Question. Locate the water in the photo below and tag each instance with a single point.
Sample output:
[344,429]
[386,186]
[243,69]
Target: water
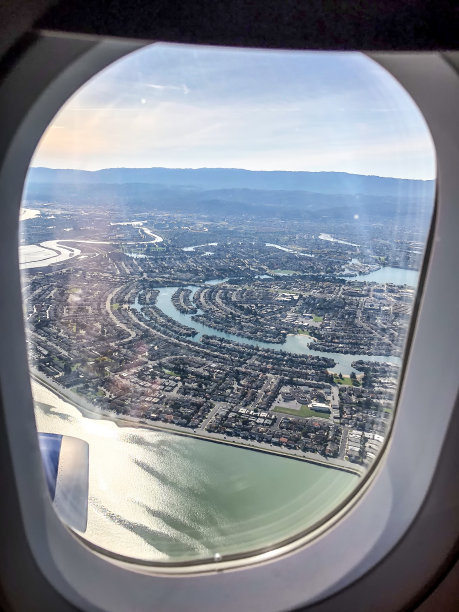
[396,276]
[137,255]
[282,248]
[159,497]
[44,254]
[198,246]
[297,344]
[332,239]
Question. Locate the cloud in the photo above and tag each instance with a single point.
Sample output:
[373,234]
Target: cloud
[183,88]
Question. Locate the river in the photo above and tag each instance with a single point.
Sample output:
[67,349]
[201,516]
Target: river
[297,344]
[287,250]
[332,239]
[197,246]
[159,497]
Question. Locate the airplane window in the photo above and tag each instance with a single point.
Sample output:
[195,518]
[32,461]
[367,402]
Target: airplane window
[220,252]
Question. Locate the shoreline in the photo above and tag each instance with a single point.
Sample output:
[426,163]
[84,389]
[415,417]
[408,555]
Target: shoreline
[182,431]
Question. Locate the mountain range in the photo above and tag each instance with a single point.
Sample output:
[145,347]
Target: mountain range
[235,192]
[234,178]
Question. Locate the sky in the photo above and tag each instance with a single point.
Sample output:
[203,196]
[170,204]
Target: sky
[184,106]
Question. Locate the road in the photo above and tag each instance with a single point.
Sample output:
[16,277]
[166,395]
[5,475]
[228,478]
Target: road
[108,308]
[210,416]
[343,443]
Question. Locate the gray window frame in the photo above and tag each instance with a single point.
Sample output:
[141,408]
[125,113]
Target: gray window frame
[354,549]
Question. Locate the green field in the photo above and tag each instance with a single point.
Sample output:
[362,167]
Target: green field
[115,306]
[345,380]
[304,411]
[317,319]
[302,332]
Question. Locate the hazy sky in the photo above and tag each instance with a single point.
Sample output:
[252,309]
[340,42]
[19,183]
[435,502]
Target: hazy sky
[191,107]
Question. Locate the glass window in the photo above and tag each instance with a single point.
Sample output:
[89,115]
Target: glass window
[220,251]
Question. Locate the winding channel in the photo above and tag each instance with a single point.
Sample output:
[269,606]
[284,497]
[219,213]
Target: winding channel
[296,344]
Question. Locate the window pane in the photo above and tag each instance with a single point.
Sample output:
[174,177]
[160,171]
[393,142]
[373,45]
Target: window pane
[220,251]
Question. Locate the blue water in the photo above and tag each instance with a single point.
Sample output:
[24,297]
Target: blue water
[396,276]
[296,344]
[159,497]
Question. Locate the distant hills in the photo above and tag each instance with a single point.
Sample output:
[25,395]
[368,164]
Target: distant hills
[233,178]
[228,191]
